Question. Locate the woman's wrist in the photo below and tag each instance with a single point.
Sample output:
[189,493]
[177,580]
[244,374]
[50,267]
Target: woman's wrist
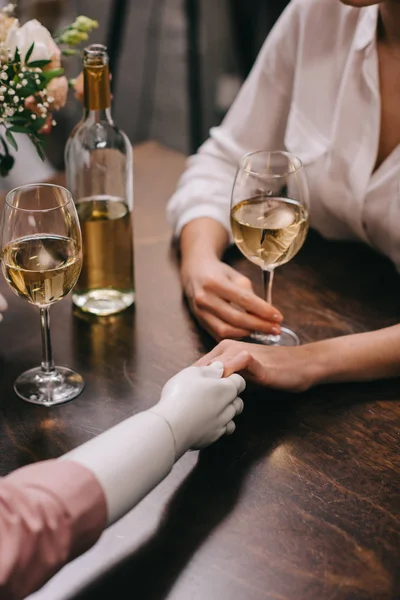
[204,239]
[319,366]
[357,357]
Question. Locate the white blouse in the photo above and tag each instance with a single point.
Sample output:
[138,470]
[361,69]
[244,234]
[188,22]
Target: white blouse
[313,91]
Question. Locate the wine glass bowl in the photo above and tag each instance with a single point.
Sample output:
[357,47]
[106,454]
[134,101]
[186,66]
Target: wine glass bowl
[269,218]
[41,259]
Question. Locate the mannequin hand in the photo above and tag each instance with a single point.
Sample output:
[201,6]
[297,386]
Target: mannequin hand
[3,306]
[199,405]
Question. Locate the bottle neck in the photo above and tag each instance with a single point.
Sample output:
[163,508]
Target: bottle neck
[98,116]
[97,97]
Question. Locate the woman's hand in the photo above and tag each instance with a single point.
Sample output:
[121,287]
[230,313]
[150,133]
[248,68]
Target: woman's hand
[200,405]
[3,306]
[224,302]
[289,369]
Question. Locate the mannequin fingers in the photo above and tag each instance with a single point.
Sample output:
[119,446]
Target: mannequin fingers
[214,371]
[230,428]
[228,414]
[238,381]
[238,405]
[3,306]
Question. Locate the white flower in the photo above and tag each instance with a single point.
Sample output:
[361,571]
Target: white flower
[21,109]
[16,99]
[33,116]
[10,7]
[9,111]
[1,98]
[24,82]
[23,37]
[3,89]
[4,76]
[18,86]
[11,92]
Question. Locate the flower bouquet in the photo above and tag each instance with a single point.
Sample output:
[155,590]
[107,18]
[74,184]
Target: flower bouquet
[32,81]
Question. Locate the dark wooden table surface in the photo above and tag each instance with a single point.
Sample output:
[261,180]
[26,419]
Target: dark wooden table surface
[301,503]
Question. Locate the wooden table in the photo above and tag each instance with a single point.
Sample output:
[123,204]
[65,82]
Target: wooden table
[301,503]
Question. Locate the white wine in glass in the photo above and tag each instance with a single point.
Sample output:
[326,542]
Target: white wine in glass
[269,219]
[41,259]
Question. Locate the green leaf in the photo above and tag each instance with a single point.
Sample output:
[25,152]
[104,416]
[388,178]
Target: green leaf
[6,164]
[17,120]
[39,148]
[18,129]
[52,73]
[39,63]
[11,139]
[70,52]
[17,56]
[29,53]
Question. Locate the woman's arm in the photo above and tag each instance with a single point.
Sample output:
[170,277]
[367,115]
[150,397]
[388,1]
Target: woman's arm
[52,511]
[199,209]
[358,357]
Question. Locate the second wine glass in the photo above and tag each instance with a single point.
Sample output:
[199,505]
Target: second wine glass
[269,219]
[41,258]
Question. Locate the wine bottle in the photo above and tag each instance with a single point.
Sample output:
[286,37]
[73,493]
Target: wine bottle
[99,168]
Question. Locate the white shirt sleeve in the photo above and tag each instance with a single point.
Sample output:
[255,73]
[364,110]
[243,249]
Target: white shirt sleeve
[256,121]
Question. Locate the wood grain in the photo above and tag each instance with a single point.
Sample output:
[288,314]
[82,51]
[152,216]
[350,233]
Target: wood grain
[303,501]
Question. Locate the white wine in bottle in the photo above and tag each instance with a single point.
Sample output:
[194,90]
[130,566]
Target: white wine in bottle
[99,167]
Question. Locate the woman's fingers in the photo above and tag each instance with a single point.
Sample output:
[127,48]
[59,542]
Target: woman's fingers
[234,363]
[226,348]
[246,299]
[247,364]
[235,317]
[217,328]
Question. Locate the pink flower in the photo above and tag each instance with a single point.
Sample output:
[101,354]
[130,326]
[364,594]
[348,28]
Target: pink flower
[78,87]
[58,90]
[55,56]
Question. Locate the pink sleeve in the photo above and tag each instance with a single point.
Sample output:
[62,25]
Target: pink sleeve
[49,513]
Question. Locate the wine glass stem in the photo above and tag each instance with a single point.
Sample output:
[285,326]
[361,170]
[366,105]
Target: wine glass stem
[268,279]
[47,356]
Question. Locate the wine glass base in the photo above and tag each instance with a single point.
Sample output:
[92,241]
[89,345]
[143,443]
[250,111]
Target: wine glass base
[287,338]
[49,389]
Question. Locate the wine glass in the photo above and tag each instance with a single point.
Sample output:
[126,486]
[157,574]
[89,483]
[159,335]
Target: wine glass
[269,219]
[41,258]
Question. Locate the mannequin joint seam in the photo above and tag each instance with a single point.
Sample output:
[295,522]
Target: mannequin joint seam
[169,427]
